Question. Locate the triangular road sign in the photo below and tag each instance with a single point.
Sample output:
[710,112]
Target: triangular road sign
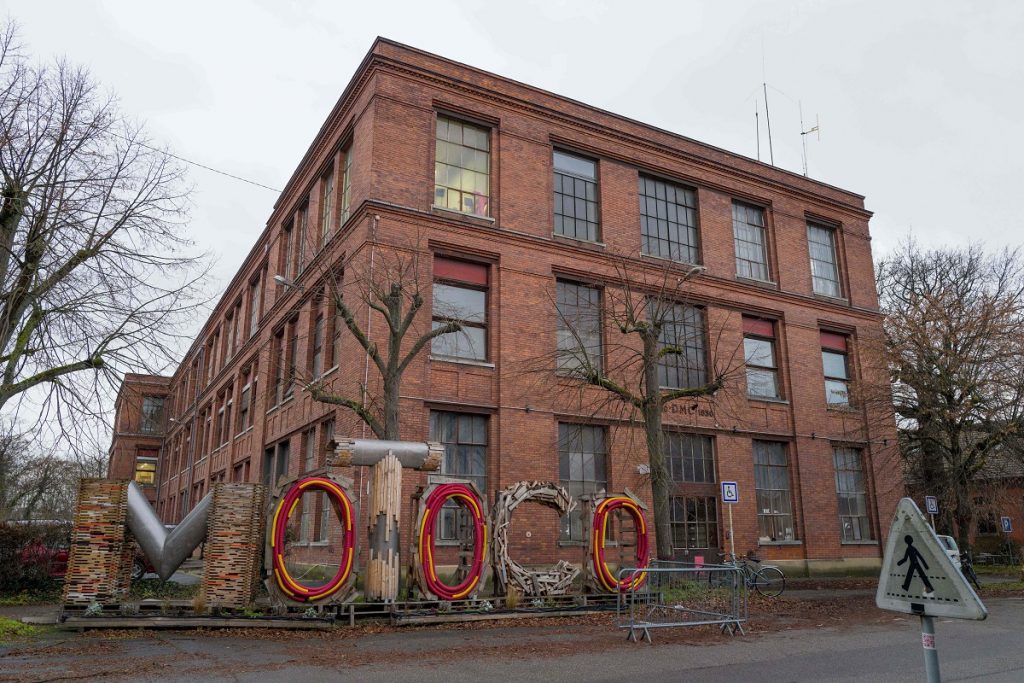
[917,575]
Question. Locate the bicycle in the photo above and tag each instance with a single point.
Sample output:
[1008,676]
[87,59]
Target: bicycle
[967,569]
[768,580]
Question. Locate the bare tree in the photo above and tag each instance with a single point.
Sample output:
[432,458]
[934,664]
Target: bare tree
[95,278]
[390,287]
[956,356]
[657,338]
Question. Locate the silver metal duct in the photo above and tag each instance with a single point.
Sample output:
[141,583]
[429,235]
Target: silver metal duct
[166,551]
[417,455]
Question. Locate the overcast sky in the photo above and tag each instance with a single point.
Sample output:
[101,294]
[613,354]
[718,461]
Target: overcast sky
[919,103]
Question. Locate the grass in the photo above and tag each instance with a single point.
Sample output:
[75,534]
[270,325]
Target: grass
[15,630]
[155,589]
[39,596]
[997,569]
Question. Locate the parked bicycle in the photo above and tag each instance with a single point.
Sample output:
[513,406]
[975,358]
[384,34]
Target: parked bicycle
[768,580]
[967,569]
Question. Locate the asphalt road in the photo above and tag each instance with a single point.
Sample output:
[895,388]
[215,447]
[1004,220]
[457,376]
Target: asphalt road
[890,651]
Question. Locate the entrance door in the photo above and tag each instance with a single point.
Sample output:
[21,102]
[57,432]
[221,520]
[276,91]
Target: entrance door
[695,528]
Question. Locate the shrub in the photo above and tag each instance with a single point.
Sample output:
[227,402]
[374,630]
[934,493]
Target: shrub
[32,555]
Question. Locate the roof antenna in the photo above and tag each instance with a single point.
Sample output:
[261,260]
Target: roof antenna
[804,133]
[767,114]
[757,128]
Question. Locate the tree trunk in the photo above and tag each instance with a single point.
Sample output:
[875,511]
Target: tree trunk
[392,391]
[963,514]
[660,480]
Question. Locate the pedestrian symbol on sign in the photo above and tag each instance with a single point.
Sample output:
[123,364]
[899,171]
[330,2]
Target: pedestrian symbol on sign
[917,565]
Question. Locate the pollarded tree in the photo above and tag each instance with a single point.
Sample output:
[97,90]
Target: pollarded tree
[94,278]
[954,350]
[390,289]
[656,352]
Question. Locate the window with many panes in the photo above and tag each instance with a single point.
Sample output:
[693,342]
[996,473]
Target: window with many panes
[279,367]
[836,366]
[751,236]
[244,416]
[324,528]
[759,356]
[774,502]
[318,347]
[293,350]
[346,185]
[326,206]
[578,326]
[288,253]
[300,239]
[854,519]
[254,305]
[464,437]
[821,242]
[462,166]
[145,466]
[690,457]
[152,414]
[582,470]
[683,359]
[668,220]
[460,295]
[576,202]
[694,523]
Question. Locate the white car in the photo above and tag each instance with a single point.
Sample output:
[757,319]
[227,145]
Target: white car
[950,546]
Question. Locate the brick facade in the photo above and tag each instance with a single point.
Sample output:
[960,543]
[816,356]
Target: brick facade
[139,430]
[383,128]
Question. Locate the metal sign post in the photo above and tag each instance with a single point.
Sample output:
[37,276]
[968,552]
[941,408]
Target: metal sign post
[731,496]
[919,578]
[931,655]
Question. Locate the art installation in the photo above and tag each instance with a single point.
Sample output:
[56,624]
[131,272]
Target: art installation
[509,574]
[598,537]
[231,519]
[166,550]
[432,500]
[338,492]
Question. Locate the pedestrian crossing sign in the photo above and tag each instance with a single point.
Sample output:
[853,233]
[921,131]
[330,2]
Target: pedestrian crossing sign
[918,577]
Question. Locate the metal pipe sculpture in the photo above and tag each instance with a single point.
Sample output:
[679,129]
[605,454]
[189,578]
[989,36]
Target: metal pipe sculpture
[416,455]
[425,566]
[166,550]
[278,528]
[599,536]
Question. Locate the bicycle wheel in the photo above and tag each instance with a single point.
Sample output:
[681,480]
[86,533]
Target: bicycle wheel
[769,582]
[721,579]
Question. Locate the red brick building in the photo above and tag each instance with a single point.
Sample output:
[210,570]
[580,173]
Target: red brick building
[512,203]
[139,430]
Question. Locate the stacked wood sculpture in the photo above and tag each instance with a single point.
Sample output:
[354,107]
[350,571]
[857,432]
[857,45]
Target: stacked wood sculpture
[234,545]
[101,554]
[382,565]
[509,574]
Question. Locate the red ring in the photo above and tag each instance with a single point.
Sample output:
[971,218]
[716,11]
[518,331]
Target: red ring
[600,522]
[279,526]
[468,498]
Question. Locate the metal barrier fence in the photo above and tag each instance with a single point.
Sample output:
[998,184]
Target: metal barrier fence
[681,594]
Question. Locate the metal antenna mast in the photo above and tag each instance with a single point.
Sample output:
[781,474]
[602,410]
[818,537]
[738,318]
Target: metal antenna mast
[767,114]
[757,128]
[804,133]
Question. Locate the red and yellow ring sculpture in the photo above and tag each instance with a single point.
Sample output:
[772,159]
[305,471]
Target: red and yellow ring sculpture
[432,507]
[283,513]
[600,532]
